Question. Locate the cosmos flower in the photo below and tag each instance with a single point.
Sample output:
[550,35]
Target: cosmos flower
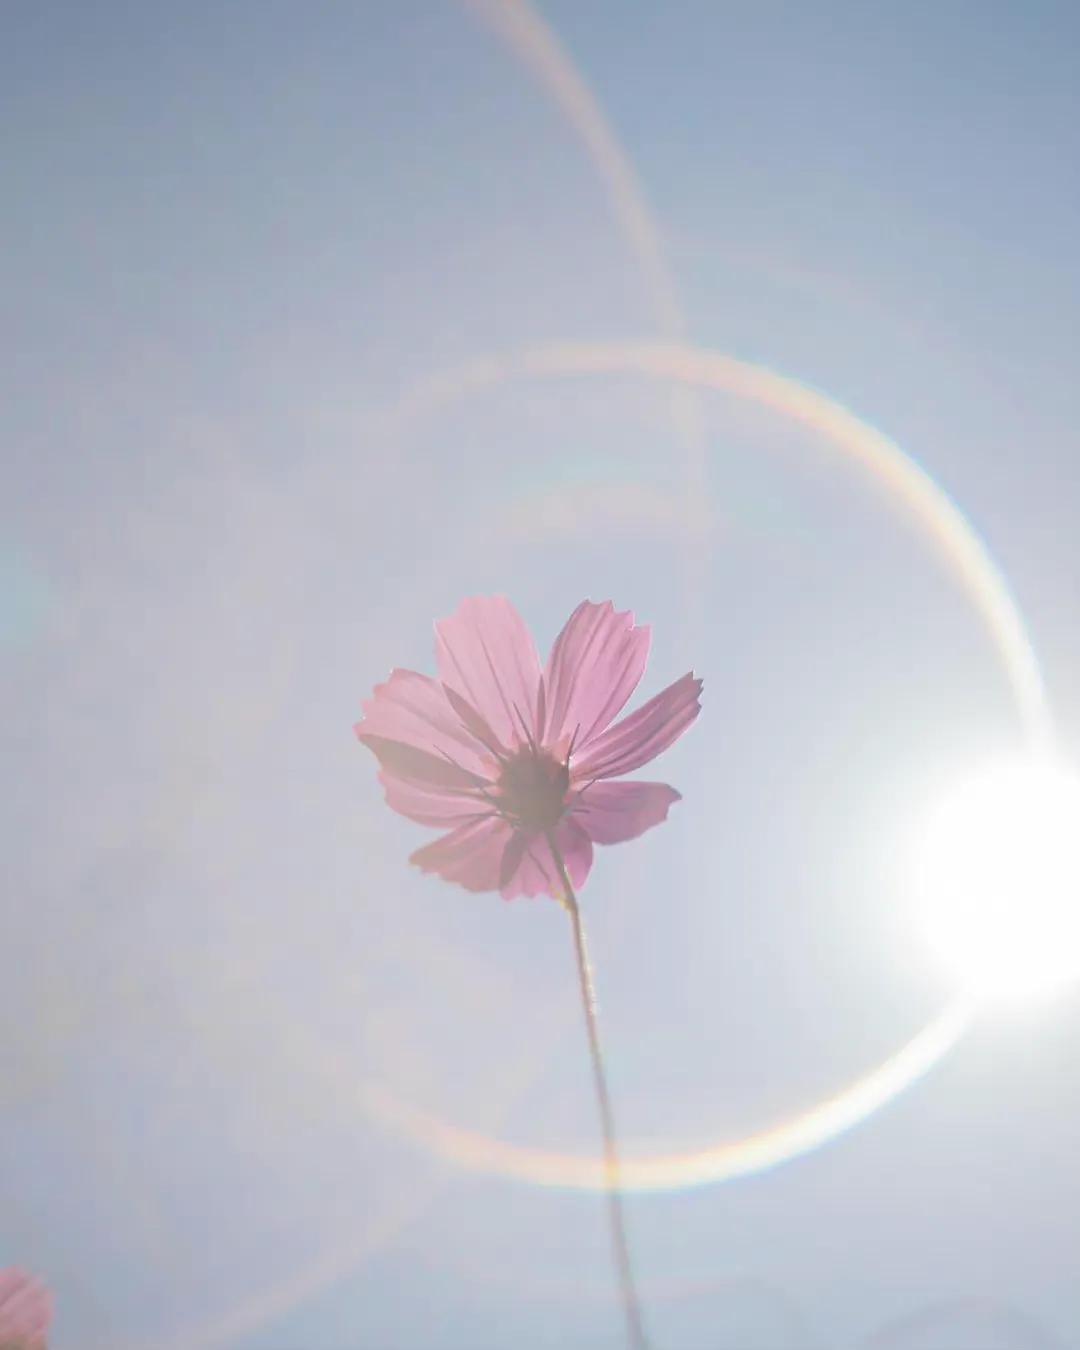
[25,1311]
[511,759]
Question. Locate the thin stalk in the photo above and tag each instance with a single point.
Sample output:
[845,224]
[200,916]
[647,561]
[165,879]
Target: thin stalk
[627,1288]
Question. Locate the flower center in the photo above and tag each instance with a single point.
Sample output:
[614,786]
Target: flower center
[532,787]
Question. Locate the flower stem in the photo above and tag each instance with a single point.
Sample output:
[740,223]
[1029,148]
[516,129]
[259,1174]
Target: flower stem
[631,1307]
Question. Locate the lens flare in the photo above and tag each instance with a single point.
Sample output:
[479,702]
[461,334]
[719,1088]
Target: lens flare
[519,24]
[943,525]
[683,1170]
[998,879]
[969,563]
[906,483]
[538,47]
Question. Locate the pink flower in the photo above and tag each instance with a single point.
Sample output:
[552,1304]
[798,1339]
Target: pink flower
[509,757]
[25,1311]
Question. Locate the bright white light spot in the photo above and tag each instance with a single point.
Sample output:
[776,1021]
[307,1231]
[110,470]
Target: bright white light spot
[999,879]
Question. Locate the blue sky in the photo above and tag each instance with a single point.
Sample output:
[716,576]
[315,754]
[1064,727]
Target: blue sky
[235,238]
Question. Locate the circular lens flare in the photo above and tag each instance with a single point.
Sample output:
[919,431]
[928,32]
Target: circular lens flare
[684,1169]
[945,528]
[999,879]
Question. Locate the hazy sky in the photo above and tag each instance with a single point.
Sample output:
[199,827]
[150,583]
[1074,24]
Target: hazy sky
[234,238]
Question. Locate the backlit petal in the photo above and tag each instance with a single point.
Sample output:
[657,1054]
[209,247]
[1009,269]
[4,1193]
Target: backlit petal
[611,813]
[25,1310]
[595,665]
[485,653]
[418,766]
[643,735]
[413,709]
[430,805]
[471,855]
[513,854]
[577,851]
[536,872]
[473,723]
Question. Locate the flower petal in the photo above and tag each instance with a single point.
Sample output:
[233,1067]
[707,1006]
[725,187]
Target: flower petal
[577,851]
[529,868]
[486,654]
[25,1310]
[471,855]
[644,734]
[512,858]
[474,723]
[417,766]
[595,665]
[536,872]
[430,805]
[611,813]
[414,710]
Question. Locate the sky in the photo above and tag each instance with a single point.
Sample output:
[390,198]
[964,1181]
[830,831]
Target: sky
[247,253]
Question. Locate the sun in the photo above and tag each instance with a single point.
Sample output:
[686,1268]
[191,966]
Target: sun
[998,879]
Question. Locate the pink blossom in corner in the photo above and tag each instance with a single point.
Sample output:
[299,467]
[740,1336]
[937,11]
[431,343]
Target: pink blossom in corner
[504,755]
[25,1311]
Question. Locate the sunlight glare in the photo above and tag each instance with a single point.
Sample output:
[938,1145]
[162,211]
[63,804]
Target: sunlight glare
[999,879]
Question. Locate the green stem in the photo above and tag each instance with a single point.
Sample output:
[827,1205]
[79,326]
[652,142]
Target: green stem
[621,1249]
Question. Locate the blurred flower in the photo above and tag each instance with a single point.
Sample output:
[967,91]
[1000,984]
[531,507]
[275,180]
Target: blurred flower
[25,1311]
[515,760]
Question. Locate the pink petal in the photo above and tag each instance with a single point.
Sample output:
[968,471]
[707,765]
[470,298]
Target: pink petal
[474,723]
[644,734]
[611,813]
[485,653]
[418,766]
[595,665]
[471,855]
[577,851]
[528,868]
[512,859]
[25,1310]
[413,710]
[536,872]
[12,1279]
[429,805]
